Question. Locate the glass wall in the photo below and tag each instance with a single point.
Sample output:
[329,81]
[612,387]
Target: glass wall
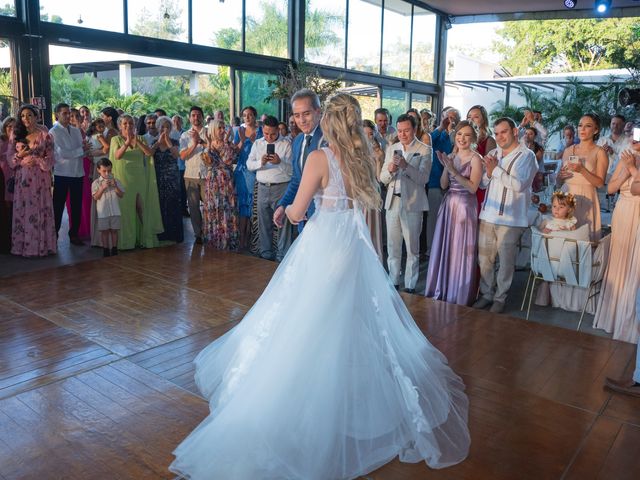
[267,27]
[420,101]
[324,32]
[424,35]
[8,8]
[7,101]
[217,24]
[396,101]
[396,38]
[166,19]
[88,14]
[254,89]
[365,23]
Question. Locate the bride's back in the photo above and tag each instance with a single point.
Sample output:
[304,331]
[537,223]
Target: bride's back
[335,195]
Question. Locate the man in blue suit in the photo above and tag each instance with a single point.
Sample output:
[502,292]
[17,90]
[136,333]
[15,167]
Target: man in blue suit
[305,105]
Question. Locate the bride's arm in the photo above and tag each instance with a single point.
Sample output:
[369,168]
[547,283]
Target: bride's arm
[314,176]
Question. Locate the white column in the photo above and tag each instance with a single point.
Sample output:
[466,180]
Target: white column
[125,79]
[193,83]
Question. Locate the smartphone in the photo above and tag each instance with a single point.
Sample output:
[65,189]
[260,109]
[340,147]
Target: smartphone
[636,134]
[271,148]
[574,159]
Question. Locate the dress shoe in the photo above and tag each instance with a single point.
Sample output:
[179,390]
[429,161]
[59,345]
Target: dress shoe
[481,303]
[114,251]
[199,240]
[497,307]
[76,241]
[106,252]
[410,290]
[626,387]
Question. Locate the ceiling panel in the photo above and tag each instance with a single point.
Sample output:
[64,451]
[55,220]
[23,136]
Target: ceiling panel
[487,7]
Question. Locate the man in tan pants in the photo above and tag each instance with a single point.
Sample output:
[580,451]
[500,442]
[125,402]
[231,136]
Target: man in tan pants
[509,172]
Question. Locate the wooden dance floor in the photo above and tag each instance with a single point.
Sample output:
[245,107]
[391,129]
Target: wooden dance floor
[96,380]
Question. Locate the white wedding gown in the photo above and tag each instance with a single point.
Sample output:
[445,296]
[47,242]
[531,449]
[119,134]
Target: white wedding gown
[327,376]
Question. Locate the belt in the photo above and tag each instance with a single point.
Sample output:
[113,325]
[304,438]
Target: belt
[271,184]
[397,194]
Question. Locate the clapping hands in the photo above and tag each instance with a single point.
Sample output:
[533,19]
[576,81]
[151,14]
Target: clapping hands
[447,162]
[489,162]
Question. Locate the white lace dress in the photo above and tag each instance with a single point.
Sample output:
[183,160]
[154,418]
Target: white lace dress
[327,376]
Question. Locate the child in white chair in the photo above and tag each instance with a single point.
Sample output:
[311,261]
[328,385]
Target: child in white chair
[562,219]
[563,205]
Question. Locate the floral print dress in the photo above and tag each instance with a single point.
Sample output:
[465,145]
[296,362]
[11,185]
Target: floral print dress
[220,226]
[33,232]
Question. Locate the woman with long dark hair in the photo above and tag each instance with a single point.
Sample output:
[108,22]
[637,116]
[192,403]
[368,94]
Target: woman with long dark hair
[30,155]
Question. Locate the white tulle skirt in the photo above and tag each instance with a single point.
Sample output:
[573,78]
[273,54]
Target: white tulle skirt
[327,376]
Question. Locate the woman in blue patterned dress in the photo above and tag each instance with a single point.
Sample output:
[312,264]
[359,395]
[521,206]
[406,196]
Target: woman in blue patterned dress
[244,180]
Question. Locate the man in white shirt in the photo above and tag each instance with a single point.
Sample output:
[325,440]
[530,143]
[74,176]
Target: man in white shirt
[533,119]
[69,149]
[509,172]
[192,148]
[152,132]
[270,158]
[384,132]
[405,171]
[616,142]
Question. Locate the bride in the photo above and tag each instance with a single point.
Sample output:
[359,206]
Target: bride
[327,376]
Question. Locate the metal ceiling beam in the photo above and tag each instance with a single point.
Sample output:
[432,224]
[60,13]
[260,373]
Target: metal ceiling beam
[547,15]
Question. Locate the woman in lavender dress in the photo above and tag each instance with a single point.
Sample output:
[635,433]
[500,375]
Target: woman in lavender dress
[452,273]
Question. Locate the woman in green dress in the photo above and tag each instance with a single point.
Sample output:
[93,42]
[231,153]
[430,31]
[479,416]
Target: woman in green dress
[140,208]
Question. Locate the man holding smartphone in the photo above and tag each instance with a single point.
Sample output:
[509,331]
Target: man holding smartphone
[270,158]
[406,171]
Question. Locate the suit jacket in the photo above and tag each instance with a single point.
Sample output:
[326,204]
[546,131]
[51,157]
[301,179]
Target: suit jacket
[413,178]
[294,183]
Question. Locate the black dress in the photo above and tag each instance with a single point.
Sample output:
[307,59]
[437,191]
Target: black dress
[168,178]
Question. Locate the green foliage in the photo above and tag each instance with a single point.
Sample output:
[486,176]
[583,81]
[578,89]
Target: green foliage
[9,9]
[534,46]
[268,35]
[300,76]
[567,106]
[152,22]
[170,94]
[5,84]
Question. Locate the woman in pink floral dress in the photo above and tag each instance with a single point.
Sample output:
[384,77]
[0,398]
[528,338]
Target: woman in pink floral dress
[220,225]
[30,155]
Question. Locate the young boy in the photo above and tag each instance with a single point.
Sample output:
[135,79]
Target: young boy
[106,191]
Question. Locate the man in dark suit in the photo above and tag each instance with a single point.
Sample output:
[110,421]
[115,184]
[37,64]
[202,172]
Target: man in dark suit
[305,105]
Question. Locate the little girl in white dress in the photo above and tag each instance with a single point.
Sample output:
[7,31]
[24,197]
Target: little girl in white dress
[563,205]
[562,219]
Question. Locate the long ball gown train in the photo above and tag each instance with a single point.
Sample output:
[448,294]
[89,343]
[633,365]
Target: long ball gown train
[327,376]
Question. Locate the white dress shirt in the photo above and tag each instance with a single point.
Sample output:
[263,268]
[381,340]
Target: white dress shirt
[509,188]
[193,162]
[618,147]
[68,151]
[270,173]
[108,205]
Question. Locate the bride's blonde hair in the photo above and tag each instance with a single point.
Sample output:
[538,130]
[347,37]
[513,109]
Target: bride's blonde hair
[342,129]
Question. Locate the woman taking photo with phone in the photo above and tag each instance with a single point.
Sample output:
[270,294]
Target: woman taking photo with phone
[584,168]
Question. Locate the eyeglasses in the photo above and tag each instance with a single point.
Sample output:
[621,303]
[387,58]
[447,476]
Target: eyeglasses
[151,123]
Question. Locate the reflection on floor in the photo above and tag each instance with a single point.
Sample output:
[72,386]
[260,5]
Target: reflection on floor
[96,379]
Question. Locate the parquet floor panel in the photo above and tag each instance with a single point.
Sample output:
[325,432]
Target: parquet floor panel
[96,374]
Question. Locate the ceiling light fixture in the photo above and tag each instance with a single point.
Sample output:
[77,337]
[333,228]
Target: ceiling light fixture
[570,3]
[80,21]
[602,6]
[166,14]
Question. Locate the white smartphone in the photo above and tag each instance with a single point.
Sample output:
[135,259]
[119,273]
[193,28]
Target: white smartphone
[636,134]
[574,159]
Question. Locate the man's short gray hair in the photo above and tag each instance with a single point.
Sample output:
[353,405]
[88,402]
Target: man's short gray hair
[307,93]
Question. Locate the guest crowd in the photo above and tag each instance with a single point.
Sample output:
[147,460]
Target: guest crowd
[458,191]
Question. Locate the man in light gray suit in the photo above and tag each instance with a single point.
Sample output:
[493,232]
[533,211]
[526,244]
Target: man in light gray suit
[405,171]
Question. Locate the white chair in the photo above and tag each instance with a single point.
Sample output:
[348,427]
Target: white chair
[567,258]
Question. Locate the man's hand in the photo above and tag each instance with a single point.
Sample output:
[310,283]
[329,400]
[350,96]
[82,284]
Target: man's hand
[399,161]
[275,159]
[265,159]
[393,168]
[490,162]
[278,217]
